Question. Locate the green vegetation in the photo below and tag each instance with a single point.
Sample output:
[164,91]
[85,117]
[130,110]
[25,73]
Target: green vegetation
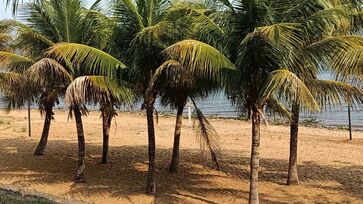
[262,53]
[8,196]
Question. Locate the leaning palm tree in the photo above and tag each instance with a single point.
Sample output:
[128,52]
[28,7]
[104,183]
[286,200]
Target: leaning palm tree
[185,76]
[103,91]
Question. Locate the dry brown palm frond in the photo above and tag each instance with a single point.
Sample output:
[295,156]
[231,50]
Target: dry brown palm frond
[97,89]
[208,137]
[47,71]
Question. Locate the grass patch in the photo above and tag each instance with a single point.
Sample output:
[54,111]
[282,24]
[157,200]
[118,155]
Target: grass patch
[8,196]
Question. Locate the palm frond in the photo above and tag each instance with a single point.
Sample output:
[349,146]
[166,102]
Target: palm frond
[343,54]
[286,85]
[91,60]
[331,93]
[97,89]
[276,107]
[208,137]
[48,71]
[199,58]
[14,62]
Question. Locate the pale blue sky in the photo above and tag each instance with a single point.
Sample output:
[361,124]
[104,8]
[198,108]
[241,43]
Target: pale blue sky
[6,13]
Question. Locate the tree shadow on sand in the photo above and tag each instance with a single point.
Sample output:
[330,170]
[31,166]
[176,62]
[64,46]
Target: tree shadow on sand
[125,175]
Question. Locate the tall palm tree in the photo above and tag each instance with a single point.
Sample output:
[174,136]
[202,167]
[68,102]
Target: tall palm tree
[265,35]
[183,76]
[254,58]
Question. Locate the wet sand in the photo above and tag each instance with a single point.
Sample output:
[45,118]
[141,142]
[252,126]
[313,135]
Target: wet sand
[330,166]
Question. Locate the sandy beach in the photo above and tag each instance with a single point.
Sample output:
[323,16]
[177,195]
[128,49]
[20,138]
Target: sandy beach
[330,166]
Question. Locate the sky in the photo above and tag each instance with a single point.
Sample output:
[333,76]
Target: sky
[7,14]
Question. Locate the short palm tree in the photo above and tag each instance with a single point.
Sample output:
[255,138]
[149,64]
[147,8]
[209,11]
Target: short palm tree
[100,64]
[186,75]
[103,91]
[49,22]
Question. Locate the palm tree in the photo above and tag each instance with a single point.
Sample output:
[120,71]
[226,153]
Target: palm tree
[65,21]
[100,64]
[266,35]
[44,27]
[327,18]
[144,29]
[254,58]
[184,75]
[103,91]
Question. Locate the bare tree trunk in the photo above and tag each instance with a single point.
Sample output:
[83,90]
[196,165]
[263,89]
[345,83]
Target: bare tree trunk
[29,120]
[150,185]
[44,138]
[106,125]
[293,176]
[81,165]
[175,157]
[255,157]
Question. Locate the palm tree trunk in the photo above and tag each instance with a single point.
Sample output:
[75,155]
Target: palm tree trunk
[44,138]
[150,185]
[106,125]
[81,165]
[293,176]
[255,157]
[175,157]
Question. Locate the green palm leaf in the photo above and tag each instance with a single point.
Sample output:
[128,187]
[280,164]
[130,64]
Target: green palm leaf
[287,85]
[333,93]
[88,58]
[14,62]
[199,58]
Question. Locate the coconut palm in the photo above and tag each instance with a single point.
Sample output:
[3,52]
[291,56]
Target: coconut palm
[266,35]
[103,91]
[49,22]
[44,26]
[100,64]
[182,77]
[254,58]
[327,18]
[144,29]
